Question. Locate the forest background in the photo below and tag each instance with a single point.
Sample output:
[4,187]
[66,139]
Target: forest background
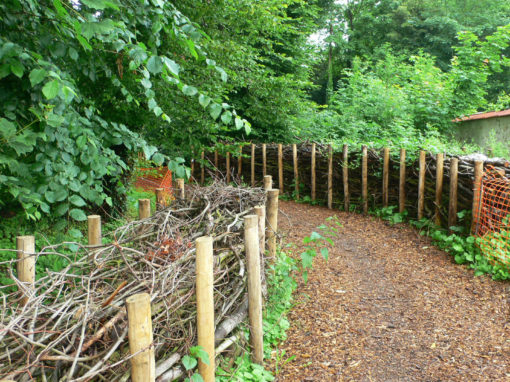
[86,85]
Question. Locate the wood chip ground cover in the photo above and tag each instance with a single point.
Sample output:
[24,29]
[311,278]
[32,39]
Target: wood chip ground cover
[389,306]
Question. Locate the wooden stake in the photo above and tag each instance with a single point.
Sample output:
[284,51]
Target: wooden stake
[421,184]
[268,182]
[330,177]
[272,221]
[144,208]
[402,182]
[202,168]
[386,176]
[143,364]
[313,171]
[452,206]
[25,246]
[228,167]
[180,188]
[280,167]
[260,211]
[251,243]
[439,187]
[264,160]
[364,179]
[296,170]
[240,162]
[205,304]
[476,194]
[345,176]
[216,163]
[253,165]
[160,198]
[94,229]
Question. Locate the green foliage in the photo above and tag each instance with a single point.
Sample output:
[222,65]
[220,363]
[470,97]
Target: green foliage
[79,81]
[190,362]
[463,248]
[317,243]
[281,286]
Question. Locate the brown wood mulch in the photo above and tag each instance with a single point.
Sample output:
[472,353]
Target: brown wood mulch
[389,306]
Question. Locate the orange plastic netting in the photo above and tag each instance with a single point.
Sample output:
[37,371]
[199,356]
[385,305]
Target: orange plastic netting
[151,178]
[492,220]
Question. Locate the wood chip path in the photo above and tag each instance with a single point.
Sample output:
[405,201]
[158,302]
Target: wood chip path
[388,306]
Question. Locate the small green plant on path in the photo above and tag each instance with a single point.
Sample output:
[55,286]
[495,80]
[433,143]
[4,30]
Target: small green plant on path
[317,243]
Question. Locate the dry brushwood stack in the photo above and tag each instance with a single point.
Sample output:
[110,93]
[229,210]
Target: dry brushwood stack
[74,327]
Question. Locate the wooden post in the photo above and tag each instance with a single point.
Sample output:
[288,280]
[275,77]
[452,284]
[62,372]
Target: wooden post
[228,167]
[402,182]
[439,187]
[296,170]
[180,187]
[330,177]
[313,171]
[160,198]
[216,163]
[280,168]
[386,176]
[260,211]
[268,182]
[421,184]
[364,179]
[202,168]
[476,194]
[272,220]
[345,176]
[205,304]
[144,208]
[251,243]
[264,160]
[253,165]
[25,246]
[452,206]
[143,364]
[94,229]
[240,162]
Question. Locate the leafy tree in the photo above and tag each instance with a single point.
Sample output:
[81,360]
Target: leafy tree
[76,78]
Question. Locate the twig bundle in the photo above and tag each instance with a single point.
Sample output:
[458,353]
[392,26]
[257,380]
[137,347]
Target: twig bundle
[74,326]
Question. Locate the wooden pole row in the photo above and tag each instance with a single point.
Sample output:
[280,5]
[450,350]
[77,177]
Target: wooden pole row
[452,208]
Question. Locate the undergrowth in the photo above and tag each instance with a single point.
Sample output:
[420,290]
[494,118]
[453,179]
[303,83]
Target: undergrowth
[459,244]
[49,231]
[281,283]
[281,286]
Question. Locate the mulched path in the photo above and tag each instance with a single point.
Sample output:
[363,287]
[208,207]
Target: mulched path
[389,306]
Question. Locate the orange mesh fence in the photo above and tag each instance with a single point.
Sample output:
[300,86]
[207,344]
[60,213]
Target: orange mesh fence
[492,220]
[151,178]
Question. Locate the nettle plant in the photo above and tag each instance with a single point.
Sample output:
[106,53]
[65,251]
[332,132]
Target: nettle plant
[317,243]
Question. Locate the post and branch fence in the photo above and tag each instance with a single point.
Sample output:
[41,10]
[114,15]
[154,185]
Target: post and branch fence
[130,304]
[426,185]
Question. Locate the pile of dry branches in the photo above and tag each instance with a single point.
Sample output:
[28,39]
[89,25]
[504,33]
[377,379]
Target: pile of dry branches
[74,326]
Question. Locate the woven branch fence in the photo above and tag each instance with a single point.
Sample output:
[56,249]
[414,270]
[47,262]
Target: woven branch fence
[444,186]
[72,325]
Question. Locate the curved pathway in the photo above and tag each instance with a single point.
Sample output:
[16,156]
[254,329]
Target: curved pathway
[388,306]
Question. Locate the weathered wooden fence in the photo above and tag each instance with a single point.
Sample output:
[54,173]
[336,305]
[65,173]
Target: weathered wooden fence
[425,184]
[73,324]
